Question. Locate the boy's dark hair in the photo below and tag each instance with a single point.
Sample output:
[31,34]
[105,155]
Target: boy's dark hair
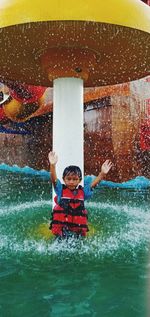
[72,169]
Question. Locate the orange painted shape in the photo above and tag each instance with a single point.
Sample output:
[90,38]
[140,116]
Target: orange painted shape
[69,62]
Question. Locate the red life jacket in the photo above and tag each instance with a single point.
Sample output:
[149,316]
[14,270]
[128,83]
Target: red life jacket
[70,213]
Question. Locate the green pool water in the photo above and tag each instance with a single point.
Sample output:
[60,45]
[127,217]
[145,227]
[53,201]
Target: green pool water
[104,275]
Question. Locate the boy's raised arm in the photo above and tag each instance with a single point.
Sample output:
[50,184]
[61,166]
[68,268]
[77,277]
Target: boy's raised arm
[106,166]
[53,158]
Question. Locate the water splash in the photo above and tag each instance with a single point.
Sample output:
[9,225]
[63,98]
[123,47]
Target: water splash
[19,208]
[125,231]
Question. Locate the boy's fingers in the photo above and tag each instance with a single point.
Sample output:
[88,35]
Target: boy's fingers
[108,162]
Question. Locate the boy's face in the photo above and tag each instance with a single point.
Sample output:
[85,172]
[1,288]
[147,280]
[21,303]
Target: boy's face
[72,181]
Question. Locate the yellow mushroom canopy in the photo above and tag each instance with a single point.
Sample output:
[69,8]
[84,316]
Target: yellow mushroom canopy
[103,42]
[130,13]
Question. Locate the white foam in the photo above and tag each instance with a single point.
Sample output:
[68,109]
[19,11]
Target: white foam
[133,234]
[10,209]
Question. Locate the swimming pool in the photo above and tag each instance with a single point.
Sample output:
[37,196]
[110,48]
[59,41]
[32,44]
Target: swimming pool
[105,274]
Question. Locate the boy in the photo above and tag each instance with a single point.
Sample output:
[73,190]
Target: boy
[69,214]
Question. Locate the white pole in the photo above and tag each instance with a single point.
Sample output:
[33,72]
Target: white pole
[68,123]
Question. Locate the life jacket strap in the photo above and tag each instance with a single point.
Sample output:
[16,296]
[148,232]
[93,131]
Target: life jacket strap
[71,212]
[65,203]
[69,224]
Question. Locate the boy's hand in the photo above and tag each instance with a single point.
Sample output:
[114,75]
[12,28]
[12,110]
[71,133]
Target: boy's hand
[106,166]
[53,158]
